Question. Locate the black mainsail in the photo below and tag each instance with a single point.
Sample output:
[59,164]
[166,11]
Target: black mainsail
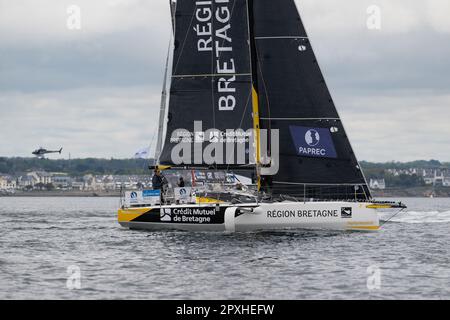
[211,83]
[248,64]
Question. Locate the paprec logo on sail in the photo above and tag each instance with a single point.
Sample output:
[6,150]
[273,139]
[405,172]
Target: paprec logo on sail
[313,142]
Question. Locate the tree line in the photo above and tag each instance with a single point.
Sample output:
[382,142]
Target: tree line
[75,167]
[79,167]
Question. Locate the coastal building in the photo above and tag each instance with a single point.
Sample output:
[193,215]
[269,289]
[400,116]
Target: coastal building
[108,182]
[26,181]
[78,184]
[90,184]
[439,178]
[377,184]
[7,183]
[446,182]
[428,176]
[40,177]
[436,177]
[3,182]
[62,181]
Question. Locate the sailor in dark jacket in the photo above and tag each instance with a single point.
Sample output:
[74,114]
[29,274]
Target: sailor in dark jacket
[157,180]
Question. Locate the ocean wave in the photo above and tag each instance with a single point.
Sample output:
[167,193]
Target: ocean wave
[419,217]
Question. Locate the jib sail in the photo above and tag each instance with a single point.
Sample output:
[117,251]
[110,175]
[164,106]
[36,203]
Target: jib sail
[316,158]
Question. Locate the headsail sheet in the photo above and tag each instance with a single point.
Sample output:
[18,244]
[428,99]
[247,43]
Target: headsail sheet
[211,84]
[293,97]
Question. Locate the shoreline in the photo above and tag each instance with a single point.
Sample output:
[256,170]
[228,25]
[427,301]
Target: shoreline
[418,192]
[72,194]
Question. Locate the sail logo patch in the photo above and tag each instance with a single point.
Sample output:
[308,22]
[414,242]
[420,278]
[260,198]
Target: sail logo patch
[312,138]
[313,142]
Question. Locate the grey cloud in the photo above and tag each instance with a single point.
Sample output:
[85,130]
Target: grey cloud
[95,122]
[97,90]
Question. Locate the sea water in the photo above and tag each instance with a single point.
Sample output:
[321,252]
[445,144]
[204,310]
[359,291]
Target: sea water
[73,248]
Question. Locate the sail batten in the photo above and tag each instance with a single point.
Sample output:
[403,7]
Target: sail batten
[209,75]
[280,37]
[300,119]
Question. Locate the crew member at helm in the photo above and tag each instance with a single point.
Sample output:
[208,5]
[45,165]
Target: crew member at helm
[157,180]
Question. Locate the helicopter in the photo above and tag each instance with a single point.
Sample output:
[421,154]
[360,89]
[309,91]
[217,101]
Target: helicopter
[41,152]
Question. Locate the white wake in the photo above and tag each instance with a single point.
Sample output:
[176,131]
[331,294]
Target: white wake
[418,217]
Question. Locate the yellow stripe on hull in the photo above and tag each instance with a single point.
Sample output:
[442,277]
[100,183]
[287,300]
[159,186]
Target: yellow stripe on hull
[200,200]
[379,206]
[371,228]
[127,215]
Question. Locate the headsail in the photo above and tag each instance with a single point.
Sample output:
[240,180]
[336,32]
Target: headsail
[293,97]
[210,93]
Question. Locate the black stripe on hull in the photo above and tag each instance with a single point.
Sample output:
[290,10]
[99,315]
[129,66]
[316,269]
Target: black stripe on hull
[188,215]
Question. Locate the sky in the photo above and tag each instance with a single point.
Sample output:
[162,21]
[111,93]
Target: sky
[96,90]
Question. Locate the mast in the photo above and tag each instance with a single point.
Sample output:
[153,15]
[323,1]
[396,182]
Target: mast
[162,110]
[163,105]
[255,98]
[173,8]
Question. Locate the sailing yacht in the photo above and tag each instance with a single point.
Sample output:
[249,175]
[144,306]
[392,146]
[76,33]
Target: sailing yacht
[246,93]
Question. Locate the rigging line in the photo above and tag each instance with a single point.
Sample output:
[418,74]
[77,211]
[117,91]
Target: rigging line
[163,106]
[281,37]
[319,184]
[151,144]
[392,217]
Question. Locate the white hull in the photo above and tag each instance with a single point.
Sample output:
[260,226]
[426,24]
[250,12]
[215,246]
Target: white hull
[253,217]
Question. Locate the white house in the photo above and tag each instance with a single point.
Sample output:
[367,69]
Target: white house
[26,181]
[7,183]
[436,177]
[40,177]
[3,182]
[377,184]
[62,181]
[446,182]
